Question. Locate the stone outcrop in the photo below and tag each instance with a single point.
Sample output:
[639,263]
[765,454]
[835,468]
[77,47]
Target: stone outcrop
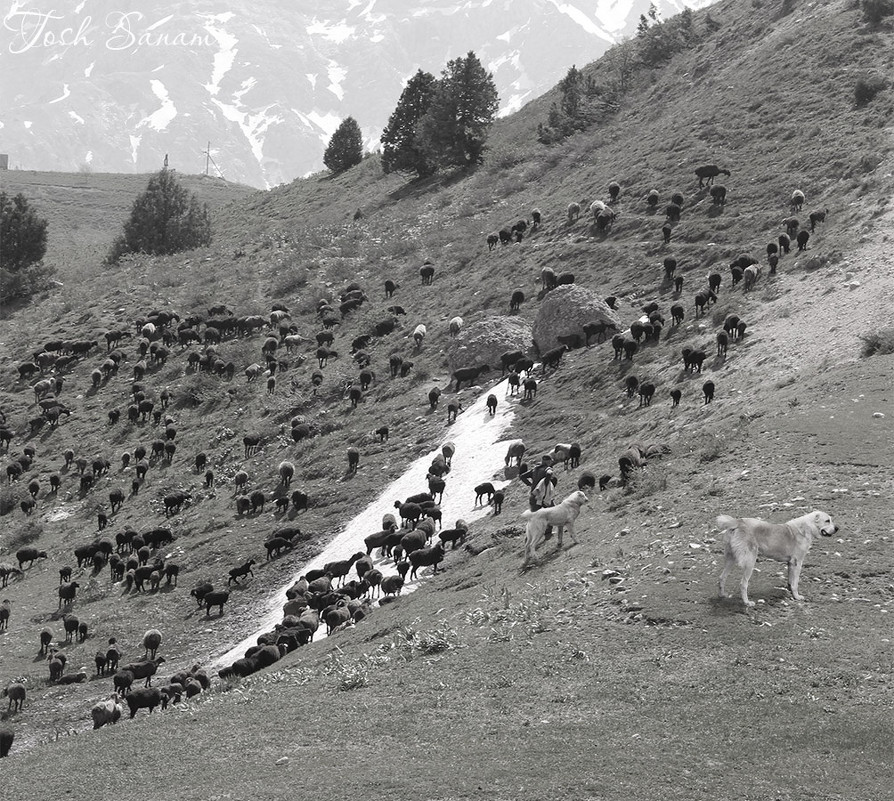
[565,310]
[482,342]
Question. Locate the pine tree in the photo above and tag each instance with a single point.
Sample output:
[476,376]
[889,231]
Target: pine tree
[454,130]
[345,148]
[23,235]
[400,149]
[165,219]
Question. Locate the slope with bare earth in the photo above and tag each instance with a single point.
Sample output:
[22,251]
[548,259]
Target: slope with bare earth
[611,668]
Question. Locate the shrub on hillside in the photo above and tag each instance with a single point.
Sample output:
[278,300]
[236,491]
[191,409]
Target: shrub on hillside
[23,235]
[165,219]
[23,244]
[878,343]
[874,11]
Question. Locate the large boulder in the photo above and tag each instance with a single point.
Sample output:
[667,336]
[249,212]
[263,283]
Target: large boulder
[565,310]
[483,342]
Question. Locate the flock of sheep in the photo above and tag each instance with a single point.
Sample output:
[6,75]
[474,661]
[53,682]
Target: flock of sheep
[406,544]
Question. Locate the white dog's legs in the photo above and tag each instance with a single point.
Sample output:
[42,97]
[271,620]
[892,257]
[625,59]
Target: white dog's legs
[727,569]
[794,573]
[747,570]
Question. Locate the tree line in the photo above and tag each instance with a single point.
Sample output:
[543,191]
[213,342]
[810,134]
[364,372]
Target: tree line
[438,123]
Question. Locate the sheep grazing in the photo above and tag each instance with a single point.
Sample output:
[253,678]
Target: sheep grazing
[434,396]
[17,695]
[573,212]
[722,344]
[67,593]
[652,199]
[802,239]
[718,195]
[614,191]
[453,409]
[215,598]
[143,698]
[817,217]
[708,391]
[797,200]
[493,239]
[646,391]
[286,473]
[29,554]
[7,736]
[708,173]
[424,557]
[419,335]
[353,460]
[5,610]
[667,231]
[483,489]
[515,453]
[469,374]
[427,273]
[106,712]
[454,326]
[516,300]
[751,273]
[675,394]
[492,404]
[151,641]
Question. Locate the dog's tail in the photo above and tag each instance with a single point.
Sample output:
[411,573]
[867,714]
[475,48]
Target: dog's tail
[725,522]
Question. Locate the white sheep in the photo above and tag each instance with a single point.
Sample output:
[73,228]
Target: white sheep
[151,641]
[17,694]
[455,326]
[106,712]
[573,212]
[419,335]
[596,206]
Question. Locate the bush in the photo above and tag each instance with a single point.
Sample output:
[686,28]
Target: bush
[866,88]
[874,11]
[23,235]
[878,343]
[165,219]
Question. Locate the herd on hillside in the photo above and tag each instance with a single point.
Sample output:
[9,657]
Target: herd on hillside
[404,543]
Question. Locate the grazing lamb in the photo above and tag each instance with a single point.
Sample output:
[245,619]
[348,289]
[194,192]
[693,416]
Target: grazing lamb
[797,200]
[483,489]
[708,173]
[516,452]
[106,712]
[17,695]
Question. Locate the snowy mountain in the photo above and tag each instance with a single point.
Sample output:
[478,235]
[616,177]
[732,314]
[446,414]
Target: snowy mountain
[265,83]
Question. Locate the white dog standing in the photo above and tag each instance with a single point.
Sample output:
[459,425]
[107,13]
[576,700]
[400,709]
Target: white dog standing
[749,537]
[562,516]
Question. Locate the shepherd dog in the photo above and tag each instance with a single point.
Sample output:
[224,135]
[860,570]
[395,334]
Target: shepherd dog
[561,516]
[748,537]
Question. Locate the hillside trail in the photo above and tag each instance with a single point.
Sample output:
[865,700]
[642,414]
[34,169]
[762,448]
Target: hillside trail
[479,457]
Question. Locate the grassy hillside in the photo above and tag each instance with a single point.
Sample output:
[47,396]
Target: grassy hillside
[611,669]
[87,209]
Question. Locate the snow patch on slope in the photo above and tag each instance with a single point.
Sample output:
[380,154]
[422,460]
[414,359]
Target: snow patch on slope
[479,456]
[337,32]
[588,24]
[224,58]
[159,120]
